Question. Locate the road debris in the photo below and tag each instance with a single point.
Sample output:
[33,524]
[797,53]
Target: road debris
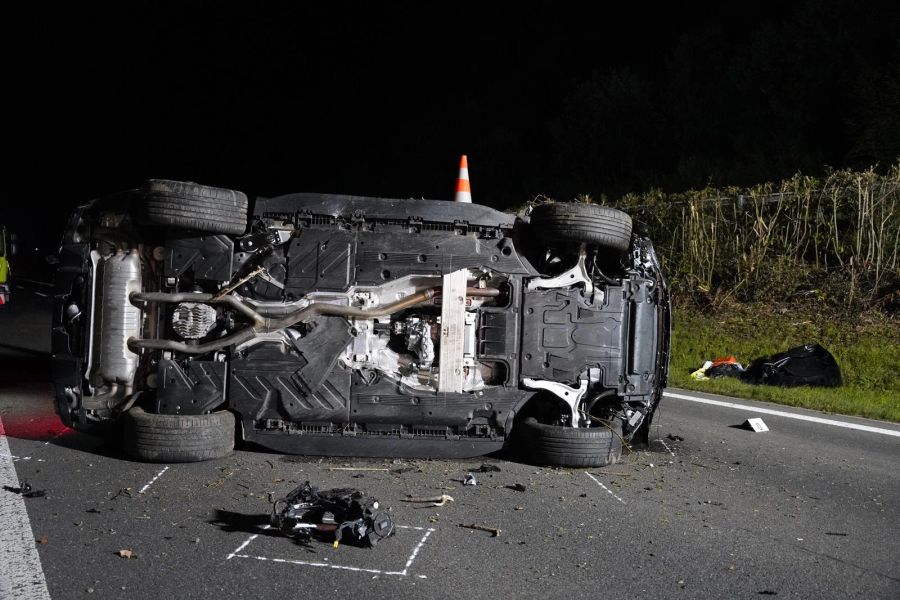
[25,490]
[122,492]
[436,501]
[492,530]
[674,438]
[756,425]
[518,487]
[341,514]
[489,468]
[126,554]
[470,480]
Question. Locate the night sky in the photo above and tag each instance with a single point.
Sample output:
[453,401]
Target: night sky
[381,99]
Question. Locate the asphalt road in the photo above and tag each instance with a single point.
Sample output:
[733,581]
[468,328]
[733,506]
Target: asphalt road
[806,510]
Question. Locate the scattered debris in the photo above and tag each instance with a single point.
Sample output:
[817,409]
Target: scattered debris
[674,438]
[767,593]
[836,533]
[358,469]
[489,468]
[756,424]
[95,511]
[492,530]
[518,487]
[810,364]
[25,491]
[122,492]
[43,540]
[436,501]
[470,480]
[126,554]
[339,514]
[725,366]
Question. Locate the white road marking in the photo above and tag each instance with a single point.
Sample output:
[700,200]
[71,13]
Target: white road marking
[666,446]
[144,489]
[781,413]
[42,295]
[21,575]
[428,531]
[8,457]
[415,552]
[245,544]
[604,487]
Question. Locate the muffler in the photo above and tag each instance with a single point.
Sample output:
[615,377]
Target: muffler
[119,320]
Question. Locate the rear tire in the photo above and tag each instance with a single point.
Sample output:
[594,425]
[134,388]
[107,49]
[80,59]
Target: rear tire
[557,446]
[186,205]
[584,223]
[177,438]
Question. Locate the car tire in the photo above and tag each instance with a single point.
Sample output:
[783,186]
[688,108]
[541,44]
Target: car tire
[177,438]
[588,223]
[186,205]
[558,446]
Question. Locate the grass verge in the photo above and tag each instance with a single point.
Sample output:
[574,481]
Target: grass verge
[867,349]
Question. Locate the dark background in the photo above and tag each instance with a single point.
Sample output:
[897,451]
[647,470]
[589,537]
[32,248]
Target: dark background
[545,98]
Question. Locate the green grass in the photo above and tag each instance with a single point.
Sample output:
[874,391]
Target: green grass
[866,348]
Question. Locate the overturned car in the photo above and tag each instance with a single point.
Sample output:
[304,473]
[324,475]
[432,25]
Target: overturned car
[344,325]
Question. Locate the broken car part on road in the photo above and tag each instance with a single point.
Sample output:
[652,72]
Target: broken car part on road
[339,515]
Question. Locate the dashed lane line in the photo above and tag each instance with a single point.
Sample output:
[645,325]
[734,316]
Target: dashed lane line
[144,489]
[609,491]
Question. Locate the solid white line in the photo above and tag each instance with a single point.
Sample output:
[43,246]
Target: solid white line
[144,489]
[781,413]
[605,488]
[21,575]
[412,556]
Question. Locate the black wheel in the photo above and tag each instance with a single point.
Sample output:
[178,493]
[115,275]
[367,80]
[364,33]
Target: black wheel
[186,205]
[588,223]
[557,446]
[177,438]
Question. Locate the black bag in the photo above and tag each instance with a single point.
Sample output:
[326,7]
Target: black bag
[804,365]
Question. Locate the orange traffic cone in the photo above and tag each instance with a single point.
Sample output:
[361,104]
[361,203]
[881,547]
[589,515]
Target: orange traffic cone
[463,190]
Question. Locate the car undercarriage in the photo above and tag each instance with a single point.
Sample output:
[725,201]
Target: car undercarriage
[343,325]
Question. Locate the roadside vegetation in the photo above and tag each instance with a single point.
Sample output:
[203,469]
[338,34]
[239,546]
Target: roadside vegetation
[757,271]
[866,348]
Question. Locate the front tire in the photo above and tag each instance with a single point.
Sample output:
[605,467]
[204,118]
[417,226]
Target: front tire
[558,446]
[583,223]
[177,438]
[186,205]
